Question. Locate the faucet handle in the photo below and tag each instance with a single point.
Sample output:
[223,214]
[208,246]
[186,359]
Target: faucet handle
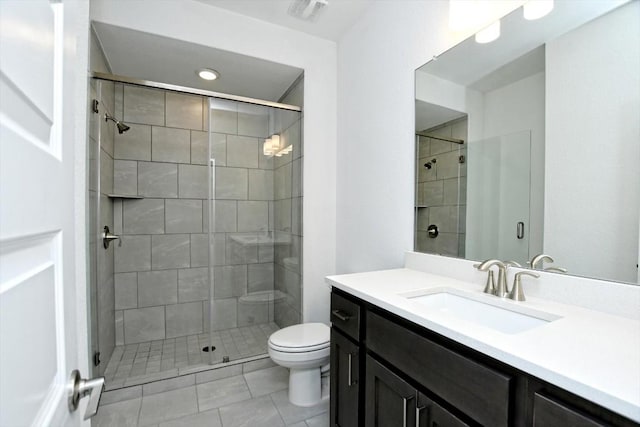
[556,269]
[487,264]
[516,293]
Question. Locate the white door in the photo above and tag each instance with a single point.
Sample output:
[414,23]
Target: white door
[40,338]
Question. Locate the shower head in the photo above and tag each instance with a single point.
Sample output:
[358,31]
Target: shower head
[122,128]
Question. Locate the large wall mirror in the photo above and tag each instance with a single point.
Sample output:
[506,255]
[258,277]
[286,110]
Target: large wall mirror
[530,144]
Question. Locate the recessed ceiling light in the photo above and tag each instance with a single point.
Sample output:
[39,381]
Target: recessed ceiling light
[208,74]
[536,9]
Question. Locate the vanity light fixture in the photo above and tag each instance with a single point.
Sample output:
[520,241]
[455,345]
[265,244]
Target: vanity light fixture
[272,147]
[488,34]
[207,74]
[536,9]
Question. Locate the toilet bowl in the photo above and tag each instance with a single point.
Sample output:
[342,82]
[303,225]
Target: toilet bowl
[304,350]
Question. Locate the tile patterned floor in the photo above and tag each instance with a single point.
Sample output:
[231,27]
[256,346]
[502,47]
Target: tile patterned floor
[138,363]
[252,399]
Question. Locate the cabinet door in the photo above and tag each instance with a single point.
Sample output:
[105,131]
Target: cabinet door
[389,400]
[550,413]
[344,381]
[430,414]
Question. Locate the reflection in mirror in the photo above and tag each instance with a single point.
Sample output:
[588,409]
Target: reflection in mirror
[529,144]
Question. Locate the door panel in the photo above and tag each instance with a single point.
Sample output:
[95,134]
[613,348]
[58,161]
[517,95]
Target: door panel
[38,306]
[389,400]
[344,381]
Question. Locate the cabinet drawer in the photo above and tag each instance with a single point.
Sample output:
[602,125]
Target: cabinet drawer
[478,391]
[550,413]
[345,315]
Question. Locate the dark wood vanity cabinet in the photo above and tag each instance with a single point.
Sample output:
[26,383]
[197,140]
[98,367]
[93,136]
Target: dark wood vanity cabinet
[387,371]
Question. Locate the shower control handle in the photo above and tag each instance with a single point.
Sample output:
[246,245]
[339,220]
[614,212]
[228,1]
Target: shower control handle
[107,237]
[520,230]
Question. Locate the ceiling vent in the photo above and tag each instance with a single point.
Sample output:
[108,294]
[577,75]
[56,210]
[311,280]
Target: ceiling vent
[307,10]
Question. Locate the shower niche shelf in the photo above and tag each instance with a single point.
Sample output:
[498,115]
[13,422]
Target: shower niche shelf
[123,196]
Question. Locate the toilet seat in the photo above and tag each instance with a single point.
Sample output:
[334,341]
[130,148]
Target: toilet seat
[302,338]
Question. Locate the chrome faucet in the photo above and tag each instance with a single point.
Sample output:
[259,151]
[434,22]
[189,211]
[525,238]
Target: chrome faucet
[501,287]
[539,259]
[516,293]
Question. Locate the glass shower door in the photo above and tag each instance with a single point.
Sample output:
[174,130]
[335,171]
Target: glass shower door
[254,233]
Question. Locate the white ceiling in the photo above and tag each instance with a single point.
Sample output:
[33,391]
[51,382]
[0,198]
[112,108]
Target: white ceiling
[331,24]
[430,115]
[145,56]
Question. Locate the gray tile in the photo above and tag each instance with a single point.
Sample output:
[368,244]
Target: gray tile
[143,324]
[184,111]
[241,248]
[201,419]
[199,253]
[448,166]
[438,146]
[291,413]
[252,314]
[121,414]
[260,184]
[222,392]
[225,313]
[267,381]
[158,180]
[183,216]
[224,116]
[125,177]
[134,144]
[119,321]
[184,319]
[283,215]
[118,99]
[193,182]
[126,290]
[218,374]
[253,120]
[230,281]
[106,173]
[132,253]
[226,215]
[432,193]
[300,424]
[282,182]
[193,284]
[253,216]
[200,148]
[170,145]
[231,183]
[168,384]
[114,396]
[142,105]
[170,251]
[157,288]
[445,217]
[321,420]
[145,216]
[242,151]
[168,405]
[260,277]
[255,365]
[259,412]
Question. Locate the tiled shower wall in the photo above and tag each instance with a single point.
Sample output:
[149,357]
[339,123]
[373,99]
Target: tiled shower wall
[442,190]
[161,286]
[101,275]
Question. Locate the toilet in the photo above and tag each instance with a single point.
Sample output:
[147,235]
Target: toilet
[304,349]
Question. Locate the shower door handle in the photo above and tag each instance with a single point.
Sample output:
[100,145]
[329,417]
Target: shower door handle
[520,230]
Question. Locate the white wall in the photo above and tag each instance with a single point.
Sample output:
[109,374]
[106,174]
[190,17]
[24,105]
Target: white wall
[376,63]
[196,22]
[591,227]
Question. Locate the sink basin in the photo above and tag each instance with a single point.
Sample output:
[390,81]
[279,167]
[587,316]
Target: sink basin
[498,315]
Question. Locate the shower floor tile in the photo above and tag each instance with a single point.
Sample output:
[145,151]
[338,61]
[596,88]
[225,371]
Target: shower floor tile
[155,360]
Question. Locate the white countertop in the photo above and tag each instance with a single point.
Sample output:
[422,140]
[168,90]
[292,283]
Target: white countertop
[590,353]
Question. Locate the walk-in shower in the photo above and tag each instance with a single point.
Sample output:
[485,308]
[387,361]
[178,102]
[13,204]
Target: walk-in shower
[204,192]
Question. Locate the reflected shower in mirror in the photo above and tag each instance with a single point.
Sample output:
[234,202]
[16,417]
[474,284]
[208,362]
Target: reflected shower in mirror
[547,122]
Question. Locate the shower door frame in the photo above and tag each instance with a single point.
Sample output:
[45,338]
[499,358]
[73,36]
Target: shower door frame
[211,165]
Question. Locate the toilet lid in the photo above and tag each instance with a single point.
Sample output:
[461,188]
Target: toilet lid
[303,337]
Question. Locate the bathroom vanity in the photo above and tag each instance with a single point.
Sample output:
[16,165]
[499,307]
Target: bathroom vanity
[406,351]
